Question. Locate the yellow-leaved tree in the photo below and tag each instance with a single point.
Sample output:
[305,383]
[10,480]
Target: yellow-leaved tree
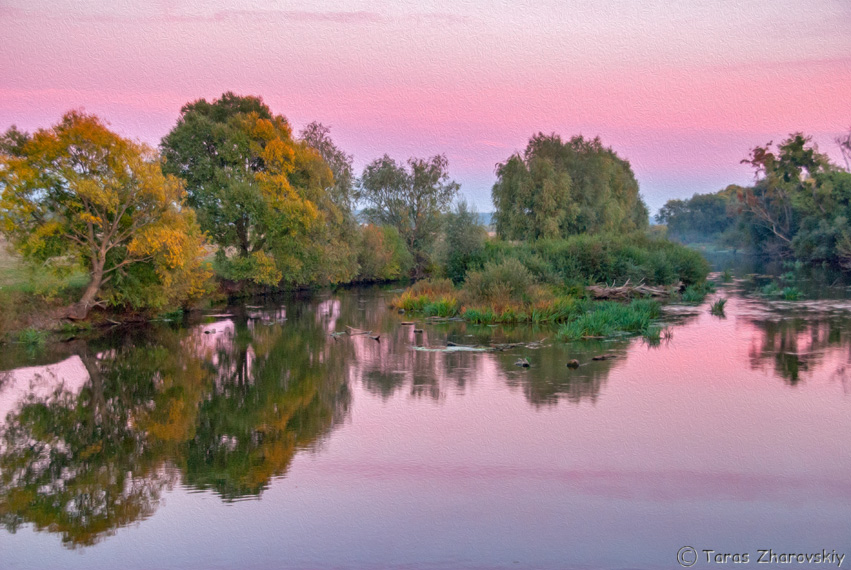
[78,194]
[266,199]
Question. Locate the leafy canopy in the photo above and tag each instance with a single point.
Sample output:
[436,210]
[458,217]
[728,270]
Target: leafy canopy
[264,197]
[410,198]
[78,194]
[557,188]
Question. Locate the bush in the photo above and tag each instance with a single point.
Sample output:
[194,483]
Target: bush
[717,307]
[589,259]
[424,293]
[499,284]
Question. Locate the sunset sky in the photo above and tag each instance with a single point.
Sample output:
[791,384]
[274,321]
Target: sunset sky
[683,89]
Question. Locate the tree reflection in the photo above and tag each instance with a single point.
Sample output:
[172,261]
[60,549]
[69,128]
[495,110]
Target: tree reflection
[76,464]
[225,406]
[794,347]
[282,394]
[228,417]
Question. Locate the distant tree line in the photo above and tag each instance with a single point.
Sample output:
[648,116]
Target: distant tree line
[798,207]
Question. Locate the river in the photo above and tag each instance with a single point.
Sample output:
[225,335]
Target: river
[252,437]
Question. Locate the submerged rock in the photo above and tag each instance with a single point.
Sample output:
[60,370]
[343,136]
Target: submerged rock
[573,363]
[523,362]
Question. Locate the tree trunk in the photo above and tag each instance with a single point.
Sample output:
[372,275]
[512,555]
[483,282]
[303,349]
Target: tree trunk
[80,310]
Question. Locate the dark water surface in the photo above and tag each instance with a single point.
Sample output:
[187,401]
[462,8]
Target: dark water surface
[257,440]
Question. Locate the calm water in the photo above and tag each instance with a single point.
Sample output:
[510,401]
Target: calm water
[255,439]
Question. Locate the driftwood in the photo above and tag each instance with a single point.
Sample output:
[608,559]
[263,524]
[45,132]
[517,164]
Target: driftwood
[627,291]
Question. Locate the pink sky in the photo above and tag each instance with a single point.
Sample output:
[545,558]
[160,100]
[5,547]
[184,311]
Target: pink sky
[682,89]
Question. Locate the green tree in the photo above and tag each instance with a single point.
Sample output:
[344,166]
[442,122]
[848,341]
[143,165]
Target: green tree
[318,137]
[79,194]
[411,199]
[703,217]
[464,241]
[263,196]
[787,189]
[383,255]
[557,188]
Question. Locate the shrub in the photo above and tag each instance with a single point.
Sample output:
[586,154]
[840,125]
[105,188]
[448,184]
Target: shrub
[32,337]
[588,259]
[792,293]
[499,284]
[444,307]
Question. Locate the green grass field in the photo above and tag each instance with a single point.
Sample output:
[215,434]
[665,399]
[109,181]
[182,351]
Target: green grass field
[29,295]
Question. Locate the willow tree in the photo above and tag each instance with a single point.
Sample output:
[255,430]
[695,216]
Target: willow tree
[264,197]
[78,194]
[558,188]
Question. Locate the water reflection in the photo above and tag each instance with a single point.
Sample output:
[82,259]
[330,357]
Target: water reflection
[98,431]
[795,347]
[226,410]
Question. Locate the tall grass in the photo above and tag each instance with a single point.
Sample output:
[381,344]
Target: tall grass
[717,307]
[610,318]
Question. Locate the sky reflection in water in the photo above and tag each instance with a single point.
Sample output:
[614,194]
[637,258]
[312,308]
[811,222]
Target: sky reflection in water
[260,441]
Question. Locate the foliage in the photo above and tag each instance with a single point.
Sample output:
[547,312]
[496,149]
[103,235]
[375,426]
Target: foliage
[464,241]
[266,199]
[556,189]
[32,337]
[791,294]
[411,199]
[609,318]
[382,255]
[589,259]
[78,195]
[695,293]
[703,217]
[798,207]
[717,307]
[318,137]
[499,284]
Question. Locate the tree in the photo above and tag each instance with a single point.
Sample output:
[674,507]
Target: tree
[558,188]
[318,137]
[844,143]
[79,194]
[410,199]
[464,241]
[703,217]
[786,188]
[263,196]
[383,255]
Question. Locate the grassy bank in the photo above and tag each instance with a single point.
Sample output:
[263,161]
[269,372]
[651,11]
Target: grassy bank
[29,296]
